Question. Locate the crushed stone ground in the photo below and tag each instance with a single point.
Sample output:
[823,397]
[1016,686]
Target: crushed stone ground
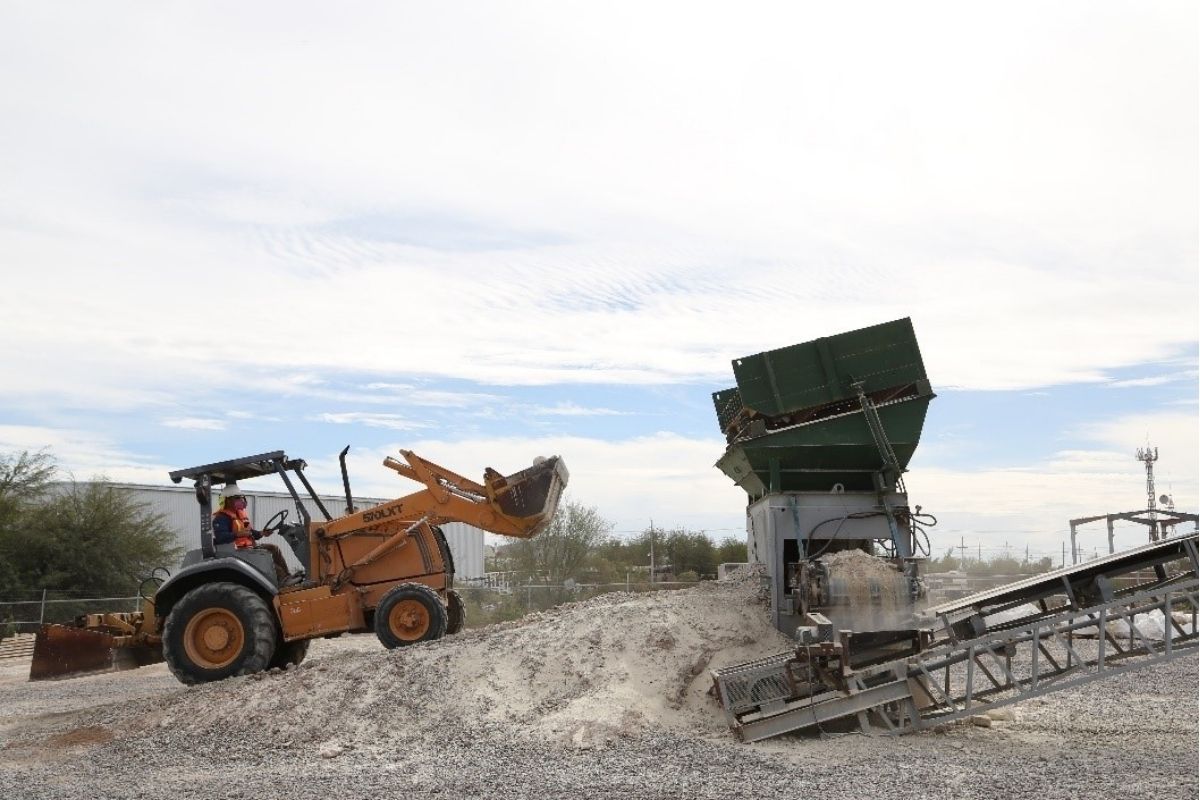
[604,698]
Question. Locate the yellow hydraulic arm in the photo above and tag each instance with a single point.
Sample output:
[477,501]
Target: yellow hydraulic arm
[520,505]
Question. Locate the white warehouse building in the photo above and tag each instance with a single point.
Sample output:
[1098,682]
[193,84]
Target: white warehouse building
[181,513]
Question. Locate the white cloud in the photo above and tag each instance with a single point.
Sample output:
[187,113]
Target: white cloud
[391,421]
[428,397]
[1178,433]
[249,415]
[1034,502]
[661,209]
[544,193]
[391,387]
[409,394]
[1155,380]
[84,454]
[574,410]
[665,477]
[195,424]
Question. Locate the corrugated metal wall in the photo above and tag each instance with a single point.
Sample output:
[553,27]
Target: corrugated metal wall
[178,506]
[466,545]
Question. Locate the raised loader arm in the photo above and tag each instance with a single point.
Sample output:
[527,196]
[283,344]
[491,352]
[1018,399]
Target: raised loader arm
[520,505]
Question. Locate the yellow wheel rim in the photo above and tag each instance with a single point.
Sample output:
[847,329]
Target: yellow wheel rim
[409,620]
[213,638]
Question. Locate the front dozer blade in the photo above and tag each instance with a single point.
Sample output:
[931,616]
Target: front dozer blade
[61,651]
[531,496]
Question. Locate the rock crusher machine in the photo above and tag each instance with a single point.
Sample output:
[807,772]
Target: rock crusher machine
[1135,609]
[388,569]
[819,435]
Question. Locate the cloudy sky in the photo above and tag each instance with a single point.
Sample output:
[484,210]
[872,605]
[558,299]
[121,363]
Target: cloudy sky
[493,231]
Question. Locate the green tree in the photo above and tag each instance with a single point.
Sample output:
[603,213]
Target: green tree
[732,551]
[95,538]
[24,479]
[90,538]
[946,563]
[565,548]
[687,551]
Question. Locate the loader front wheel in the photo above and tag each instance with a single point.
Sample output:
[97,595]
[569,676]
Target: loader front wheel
[218,630]
[456,612]
[409,613]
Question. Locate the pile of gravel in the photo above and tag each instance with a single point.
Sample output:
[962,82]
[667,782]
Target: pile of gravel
[604,698]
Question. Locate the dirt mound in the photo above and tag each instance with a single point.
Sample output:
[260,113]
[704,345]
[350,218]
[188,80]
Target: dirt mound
[582,673]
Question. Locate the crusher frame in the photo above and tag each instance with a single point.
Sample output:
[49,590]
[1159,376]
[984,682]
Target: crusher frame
[977,653]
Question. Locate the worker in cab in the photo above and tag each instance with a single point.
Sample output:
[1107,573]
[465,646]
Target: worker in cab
[231,522]
[231,525]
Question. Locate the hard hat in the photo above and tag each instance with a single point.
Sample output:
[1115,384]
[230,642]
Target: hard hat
[231,490]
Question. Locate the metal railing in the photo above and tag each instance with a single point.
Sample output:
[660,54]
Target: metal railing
[51,607]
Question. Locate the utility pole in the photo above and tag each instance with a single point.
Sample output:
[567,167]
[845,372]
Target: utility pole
[1064,555]
[962,546]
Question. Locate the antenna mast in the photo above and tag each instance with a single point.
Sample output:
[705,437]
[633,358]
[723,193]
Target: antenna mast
[1148,456]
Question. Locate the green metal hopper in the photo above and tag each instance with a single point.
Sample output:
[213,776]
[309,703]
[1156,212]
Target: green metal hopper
[796,421]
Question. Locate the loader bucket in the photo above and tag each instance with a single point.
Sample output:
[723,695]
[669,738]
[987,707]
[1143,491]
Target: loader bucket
[61,651]
[530,497]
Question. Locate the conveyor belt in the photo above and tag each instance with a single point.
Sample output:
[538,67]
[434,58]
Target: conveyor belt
[1067,579]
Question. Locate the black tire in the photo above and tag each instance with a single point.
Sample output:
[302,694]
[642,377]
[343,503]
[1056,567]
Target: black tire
[456,612]
[408,614]
[219,630]
[289,654]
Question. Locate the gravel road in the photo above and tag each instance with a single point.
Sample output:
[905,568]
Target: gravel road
[603,699]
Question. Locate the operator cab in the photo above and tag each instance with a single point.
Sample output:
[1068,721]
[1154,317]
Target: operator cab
[259,558]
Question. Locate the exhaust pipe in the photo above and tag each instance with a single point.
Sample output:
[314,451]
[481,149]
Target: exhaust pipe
[346,480]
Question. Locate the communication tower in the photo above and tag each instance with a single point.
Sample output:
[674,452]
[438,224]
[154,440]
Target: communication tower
[1148,455]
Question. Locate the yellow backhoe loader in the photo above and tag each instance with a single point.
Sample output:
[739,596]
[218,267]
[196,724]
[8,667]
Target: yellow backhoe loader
[231,610]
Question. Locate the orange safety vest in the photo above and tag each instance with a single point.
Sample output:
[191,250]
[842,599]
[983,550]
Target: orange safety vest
[240,522]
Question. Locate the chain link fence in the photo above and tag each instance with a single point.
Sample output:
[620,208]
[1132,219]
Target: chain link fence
[486,602]
[25,612]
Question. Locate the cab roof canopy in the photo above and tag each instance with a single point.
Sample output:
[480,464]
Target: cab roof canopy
[240,468]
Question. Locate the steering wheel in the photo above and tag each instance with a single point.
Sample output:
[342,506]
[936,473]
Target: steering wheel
[272,525]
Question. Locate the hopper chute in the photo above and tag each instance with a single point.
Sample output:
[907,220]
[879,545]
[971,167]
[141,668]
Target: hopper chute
[839,410]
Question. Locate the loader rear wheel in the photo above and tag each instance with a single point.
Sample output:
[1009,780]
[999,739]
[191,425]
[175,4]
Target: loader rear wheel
[409,613]
[456,612]
[218,630]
